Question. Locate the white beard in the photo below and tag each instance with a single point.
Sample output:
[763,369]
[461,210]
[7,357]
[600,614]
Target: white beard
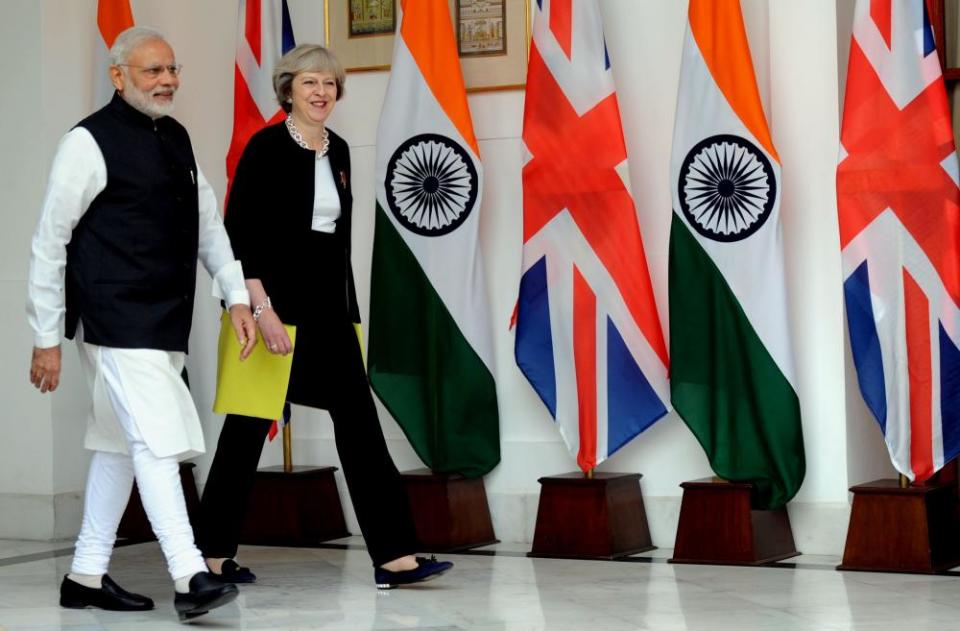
[144,103]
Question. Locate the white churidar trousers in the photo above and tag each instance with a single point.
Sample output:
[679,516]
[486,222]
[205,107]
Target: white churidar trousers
[112,474]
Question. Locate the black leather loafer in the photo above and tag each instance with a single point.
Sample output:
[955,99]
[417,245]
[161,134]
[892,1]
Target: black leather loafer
[232,572]
[207,592]
[110,596]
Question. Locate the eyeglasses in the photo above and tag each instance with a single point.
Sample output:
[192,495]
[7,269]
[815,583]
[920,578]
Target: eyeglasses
[154,72]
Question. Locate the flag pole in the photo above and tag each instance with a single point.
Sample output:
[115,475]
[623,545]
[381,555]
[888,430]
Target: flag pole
[287,449]
[904,481]
[589,473]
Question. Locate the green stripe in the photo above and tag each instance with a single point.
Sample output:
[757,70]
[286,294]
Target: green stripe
[724,383]
[422,367]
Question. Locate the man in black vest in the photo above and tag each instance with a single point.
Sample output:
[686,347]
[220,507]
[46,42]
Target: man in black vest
[114,258]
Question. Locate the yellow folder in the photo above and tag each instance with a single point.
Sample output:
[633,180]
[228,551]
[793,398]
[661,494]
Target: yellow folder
[256,386]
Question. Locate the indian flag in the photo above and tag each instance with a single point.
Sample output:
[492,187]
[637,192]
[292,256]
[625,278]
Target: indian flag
[732,377]
[431,351]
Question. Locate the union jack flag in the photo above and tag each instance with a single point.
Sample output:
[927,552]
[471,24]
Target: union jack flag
[588,335]
[264,34]
[899,211]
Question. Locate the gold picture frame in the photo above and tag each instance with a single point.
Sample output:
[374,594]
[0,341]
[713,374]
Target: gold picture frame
[370,47]
[368,18]
[480,27]
[359,51]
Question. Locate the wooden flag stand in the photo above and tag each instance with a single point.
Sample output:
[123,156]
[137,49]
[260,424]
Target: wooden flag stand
[450,512]
[899,527]
[719,526]
[593,516]
[294,506]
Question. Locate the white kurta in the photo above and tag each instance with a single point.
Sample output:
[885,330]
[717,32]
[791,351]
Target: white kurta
[158,402]
[161,404]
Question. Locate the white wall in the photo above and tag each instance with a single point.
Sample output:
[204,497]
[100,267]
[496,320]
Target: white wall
[49,46]
[26,470]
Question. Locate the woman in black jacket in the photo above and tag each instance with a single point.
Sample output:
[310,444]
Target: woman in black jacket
[288,218]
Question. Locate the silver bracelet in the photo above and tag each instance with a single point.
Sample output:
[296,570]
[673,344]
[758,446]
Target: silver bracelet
[258,311]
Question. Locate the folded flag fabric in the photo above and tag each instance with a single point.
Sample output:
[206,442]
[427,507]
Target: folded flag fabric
[899,212]
[431,348]
[588,337]
[113,18]
[264,34]
[732,376]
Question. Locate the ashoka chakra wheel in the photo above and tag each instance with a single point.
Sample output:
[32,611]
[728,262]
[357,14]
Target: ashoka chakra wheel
[431,184]
[727,188]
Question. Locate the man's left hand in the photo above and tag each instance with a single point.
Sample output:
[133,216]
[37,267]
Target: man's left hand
[244,327]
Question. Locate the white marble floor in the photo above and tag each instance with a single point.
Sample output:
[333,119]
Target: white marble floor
[333,589]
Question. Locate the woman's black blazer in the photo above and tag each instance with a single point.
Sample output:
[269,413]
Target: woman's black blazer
[268,217]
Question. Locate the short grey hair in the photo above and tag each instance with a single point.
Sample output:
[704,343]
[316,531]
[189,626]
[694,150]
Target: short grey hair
[305,58]
[129,39]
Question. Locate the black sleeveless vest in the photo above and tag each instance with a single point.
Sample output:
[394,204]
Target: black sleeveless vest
[132,259]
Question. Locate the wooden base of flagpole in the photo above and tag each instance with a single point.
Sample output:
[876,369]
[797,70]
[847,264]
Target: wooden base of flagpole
[450,512]
[598,517]
[719,526]
[134,526]
[910,529]
[297,508]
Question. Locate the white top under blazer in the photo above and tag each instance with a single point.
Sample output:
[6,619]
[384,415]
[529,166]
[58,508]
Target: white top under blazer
[326,200]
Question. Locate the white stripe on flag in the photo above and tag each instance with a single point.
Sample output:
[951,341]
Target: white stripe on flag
[411,109]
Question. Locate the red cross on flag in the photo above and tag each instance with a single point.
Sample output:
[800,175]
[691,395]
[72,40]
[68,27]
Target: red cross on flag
[899,211]
[264,34]
[588,335]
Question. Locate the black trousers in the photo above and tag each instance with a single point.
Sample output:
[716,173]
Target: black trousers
[376,490]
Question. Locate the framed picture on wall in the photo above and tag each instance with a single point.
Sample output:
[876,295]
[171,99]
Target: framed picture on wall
[492,38]
[360,32]
[372,17]
[481,27]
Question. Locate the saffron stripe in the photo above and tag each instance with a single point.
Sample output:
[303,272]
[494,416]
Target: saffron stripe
[717,27]
[917,313]
[427,31]
[585,362]
[113,17]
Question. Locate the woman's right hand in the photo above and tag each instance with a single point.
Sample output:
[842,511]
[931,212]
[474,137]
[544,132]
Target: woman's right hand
[275,337]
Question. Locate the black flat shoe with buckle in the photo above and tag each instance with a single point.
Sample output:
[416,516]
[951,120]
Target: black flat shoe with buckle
[426,570]
[233,572]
